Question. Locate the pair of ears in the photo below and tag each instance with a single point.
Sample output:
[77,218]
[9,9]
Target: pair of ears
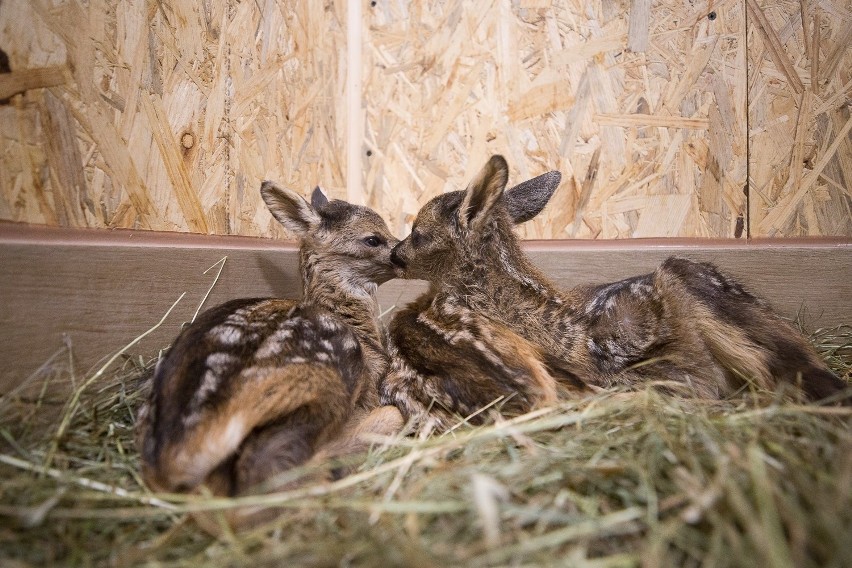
[522,202]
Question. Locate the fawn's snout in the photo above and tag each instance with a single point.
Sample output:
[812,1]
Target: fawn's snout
[396,257]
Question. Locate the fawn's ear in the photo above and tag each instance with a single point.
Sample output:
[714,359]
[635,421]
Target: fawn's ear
[318,198]
[527,199]
[289,208]
[483,193]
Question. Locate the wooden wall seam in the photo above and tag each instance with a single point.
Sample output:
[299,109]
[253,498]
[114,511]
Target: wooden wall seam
[355,103]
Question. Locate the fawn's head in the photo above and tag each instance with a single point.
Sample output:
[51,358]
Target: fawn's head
[350,239]
[460,228]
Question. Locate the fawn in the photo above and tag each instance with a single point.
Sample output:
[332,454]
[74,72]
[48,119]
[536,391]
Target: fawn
[257,386]
[491,325]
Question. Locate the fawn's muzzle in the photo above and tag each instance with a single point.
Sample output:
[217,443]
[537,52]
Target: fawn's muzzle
[396,259]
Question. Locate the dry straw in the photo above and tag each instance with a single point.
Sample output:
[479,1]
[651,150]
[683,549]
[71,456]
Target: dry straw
[614,479]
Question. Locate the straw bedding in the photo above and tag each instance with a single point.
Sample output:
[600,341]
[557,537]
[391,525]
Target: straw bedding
[614,479]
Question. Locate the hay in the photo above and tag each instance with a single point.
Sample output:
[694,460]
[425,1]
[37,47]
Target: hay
[615,479]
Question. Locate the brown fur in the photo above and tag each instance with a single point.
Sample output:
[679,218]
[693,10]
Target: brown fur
[255,387]
[445,359]
[686,328]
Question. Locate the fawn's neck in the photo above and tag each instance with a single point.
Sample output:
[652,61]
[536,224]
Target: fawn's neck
[351,300]
[519,296]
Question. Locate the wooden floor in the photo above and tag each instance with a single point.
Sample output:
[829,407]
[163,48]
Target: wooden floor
[99,290]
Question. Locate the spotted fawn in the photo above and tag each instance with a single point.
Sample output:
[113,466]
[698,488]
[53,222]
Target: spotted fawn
[255,387]
[492,327]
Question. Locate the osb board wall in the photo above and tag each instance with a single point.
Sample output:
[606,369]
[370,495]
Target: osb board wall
[800,91]
[167,114]
[643,111]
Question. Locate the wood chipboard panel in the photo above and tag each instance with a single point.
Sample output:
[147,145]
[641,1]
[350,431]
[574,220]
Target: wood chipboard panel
[641,105]
[168,115]
[800,91]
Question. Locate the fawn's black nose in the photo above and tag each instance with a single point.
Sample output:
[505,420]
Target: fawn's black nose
[396,259]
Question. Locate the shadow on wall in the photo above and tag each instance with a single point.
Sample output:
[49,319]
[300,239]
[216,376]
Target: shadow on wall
[282,279]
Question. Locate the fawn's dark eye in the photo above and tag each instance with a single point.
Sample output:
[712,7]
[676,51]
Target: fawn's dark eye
[372,241]
[416,238]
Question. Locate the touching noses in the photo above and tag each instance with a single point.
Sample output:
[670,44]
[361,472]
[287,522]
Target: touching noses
[395,258]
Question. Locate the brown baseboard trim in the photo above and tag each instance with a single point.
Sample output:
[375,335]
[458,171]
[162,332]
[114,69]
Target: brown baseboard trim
[103,288]
[25,233]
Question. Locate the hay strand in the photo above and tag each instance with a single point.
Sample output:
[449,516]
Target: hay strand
[73,403]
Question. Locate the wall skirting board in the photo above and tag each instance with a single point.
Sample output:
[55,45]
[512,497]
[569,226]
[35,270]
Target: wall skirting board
[98,290]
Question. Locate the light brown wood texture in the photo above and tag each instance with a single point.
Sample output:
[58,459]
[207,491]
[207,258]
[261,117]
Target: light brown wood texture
[800,88]
[643,113]
[99,290]
[167,114]
[36,78]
